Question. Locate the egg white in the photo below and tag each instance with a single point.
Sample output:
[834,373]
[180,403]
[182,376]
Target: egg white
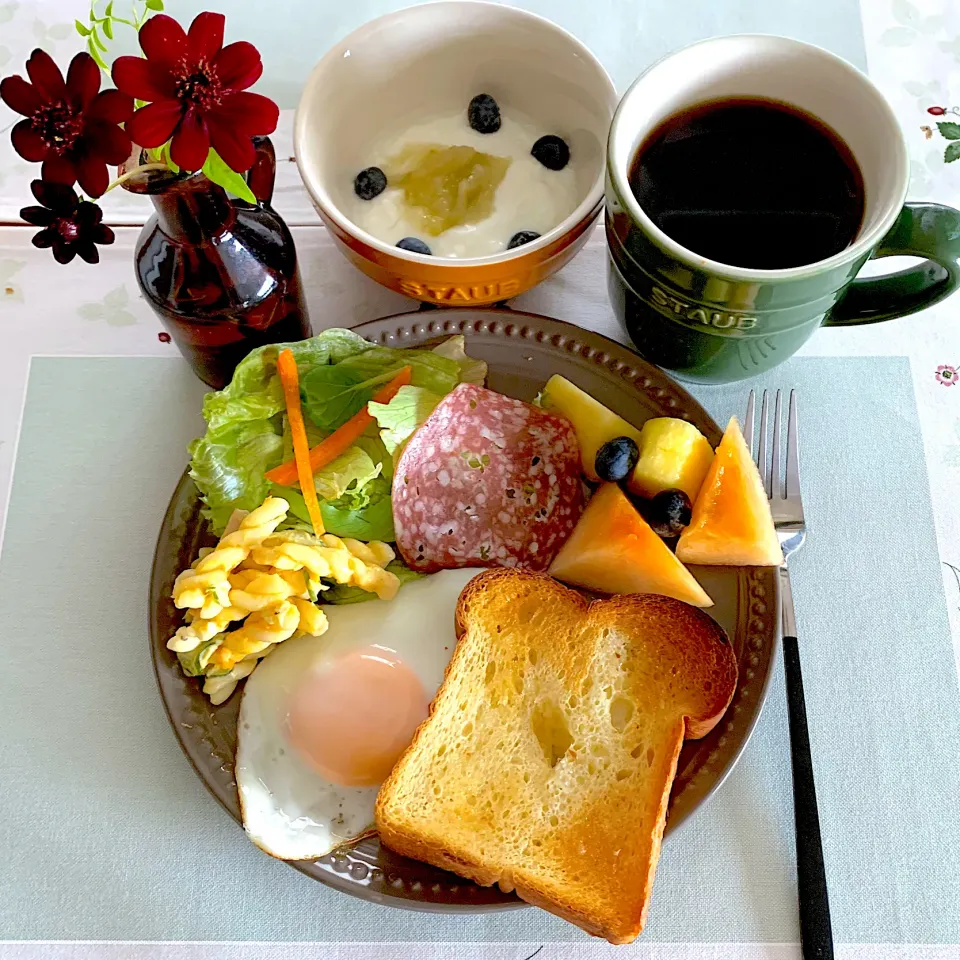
[289,809]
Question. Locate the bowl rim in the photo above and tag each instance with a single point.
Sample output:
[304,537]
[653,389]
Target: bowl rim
[324,202]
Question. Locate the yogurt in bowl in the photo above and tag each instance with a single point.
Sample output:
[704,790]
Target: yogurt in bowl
[529,201]
[406,79]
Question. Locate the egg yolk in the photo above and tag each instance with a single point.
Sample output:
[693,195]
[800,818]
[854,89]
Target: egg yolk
[353,717]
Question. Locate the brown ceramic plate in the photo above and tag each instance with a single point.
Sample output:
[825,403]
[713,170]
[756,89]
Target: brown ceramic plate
[522,351]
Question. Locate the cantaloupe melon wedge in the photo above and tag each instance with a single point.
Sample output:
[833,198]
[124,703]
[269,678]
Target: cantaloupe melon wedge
[731,522]
[613,550]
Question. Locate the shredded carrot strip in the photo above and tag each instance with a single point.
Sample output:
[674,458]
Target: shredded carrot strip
[341,439]
[290,381]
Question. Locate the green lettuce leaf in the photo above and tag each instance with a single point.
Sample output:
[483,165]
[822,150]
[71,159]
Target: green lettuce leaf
[228,466]
[342,594]
[471,371]
[333,394]
[255,393]
[364,513]
[247,434]
[402,415]
[354,467]
[427,369]
[246,424]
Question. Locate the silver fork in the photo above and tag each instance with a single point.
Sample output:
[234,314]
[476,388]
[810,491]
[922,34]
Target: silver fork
[783,489]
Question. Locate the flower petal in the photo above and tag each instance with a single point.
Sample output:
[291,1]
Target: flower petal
[88,215]
[106,141]
[59,197]
[250,113]
[101,233]
[46,76]
[93,176]
[111,106]
[60,170]
[63,252]
[19,95]
[238,65]
[87,250]
[234,147]
[162,39]
[191,143]
[154,124]
[28,143]
[83,79]
[206,36]
[44,238]
[38,216]
[139,78]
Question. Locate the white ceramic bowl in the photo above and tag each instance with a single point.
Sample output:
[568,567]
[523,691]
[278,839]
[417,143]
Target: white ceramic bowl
[430,60]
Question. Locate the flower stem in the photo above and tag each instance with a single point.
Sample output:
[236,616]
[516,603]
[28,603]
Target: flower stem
[143,168]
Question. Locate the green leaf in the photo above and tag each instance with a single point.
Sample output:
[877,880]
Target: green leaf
[471,371]
[108,29]
[109,11]
[333,394]
[82,29]
[952,152]
[949,130]
[217,171]
[95,53]
[98,41]
[155,5]
[402,415]
[365,516]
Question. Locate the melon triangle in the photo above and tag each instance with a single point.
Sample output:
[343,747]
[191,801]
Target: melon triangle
[613,550]
[731,523]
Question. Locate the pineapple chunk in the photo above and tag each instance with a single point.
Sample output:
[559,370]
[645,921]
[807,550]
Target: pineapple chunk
[592,422]
[674,455]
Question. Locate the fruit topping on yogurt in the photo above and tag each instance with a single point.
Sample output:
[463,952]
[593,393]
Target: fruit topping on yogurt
[470,184]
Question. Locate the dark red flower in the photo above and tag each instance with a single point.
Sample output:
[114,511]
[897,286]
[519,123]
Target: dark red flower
[196,92]
[70,126]
[70,225]
[936,111]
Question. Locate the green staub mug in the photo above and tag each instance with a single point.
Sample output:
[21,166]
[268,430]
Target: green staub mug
[710,322]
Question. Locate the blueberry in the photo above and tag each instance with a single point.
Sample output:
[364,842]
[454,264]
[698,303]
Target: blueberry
[524,236]
[552,152]
[668,512]
[414,245]
[370,183]
[483,114]
[616,459]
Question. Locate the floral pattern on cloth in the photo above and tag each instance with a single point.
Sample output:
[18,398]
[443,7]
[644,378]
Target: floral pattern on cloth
[947,375]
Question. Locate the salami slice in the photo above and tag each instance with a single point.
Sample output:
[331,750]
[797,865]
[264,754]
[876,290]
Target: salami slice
[486,481]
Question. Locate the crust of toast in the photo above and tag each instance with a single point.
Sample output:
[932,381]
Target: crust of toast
[546,761]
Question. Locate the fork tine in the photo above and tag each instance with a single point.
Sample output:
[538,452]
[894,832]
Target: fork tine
[793,451]
[776,489]
[748,421]
[762,463]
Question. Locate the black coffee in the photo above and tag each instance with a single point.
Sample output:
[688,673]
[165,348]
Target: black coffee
[750,182]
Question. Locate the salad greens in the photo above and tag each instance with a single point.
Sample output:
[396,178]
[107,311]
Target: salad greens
[247,433]
[402,415]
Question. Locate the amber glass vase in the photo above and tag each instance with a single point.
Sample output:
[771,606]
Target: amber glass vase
[221,273]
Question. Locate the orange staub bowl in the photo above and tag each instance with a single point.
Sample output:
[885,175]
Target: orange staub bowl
[430,60]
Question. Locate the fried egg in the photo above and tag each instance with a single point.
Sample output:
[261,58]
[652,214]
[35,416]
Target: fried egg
[324,719]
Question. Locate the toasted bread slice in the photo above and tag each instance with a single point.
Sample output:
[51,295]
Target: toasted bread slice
[547,759]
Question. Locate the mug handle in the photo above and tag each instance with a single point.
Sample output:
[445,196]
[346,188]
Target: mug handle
[927,230]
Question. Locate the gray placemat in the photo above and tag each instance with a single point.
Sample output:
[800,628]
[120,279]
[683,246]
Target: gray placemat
[108,834]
